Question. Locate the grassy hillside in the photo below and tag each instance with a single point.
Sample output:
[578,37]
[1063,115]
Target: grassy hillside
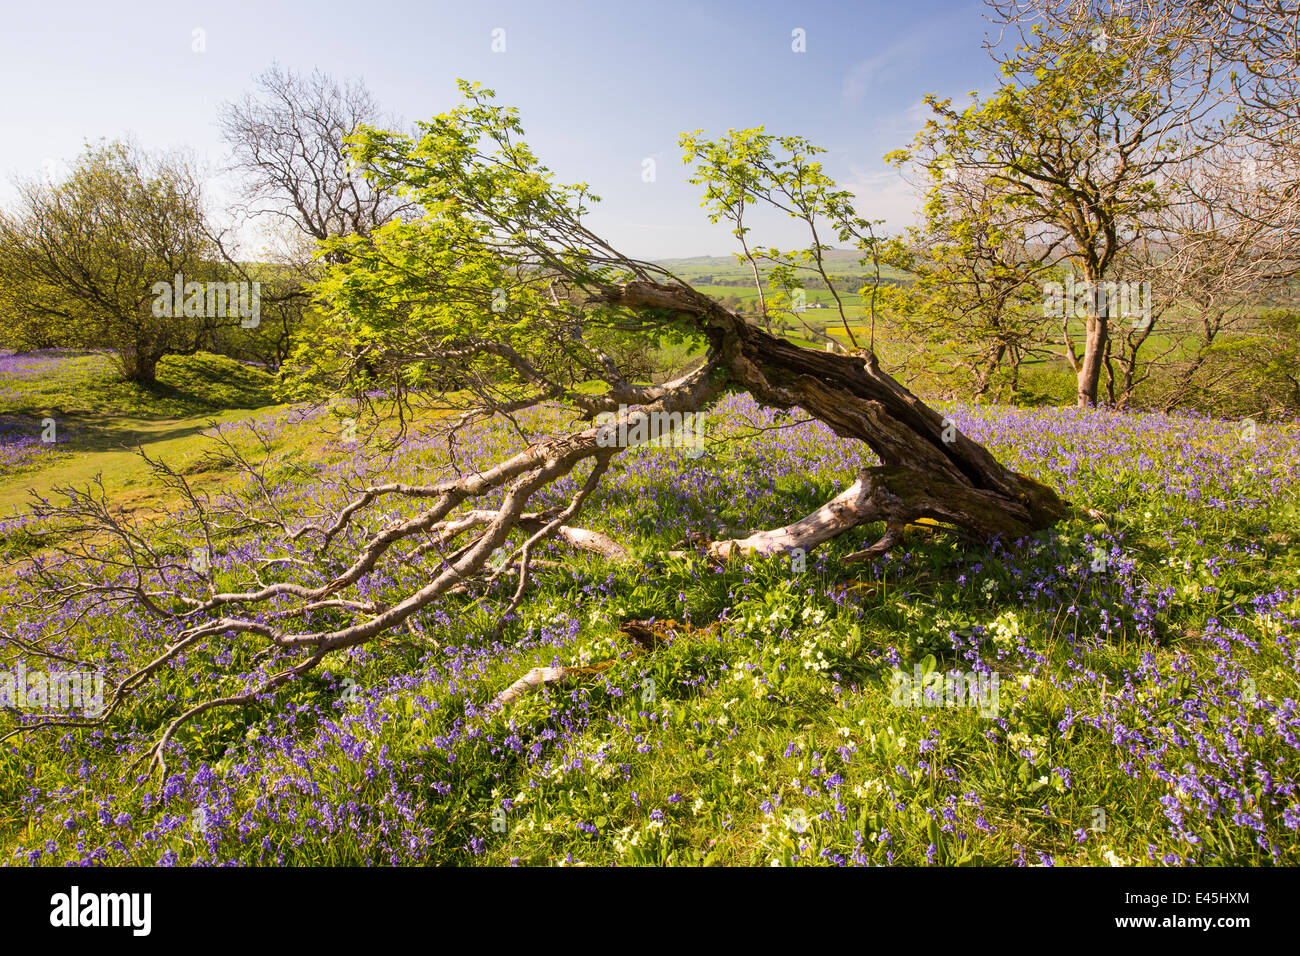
[1146,666]
[97,419]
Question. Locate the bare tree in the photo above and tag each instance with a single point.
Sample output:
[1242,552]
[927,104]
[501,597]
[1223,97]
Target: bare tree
[1210,270]
[289,139]
[1262,38]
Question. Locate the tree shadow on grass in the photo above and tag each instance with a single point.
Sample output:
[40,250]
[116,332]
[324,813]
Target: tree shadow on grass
[102,433]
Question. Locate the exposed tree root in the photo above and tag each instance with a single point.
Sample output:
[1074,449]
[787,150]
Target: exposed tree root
[536,678]
[645,635]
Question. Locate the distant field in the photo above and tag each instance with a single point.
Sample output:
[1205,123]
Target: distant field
[839,263]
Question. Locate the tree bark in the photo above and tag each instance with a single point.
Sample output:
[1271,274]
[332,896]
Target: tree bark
[928,469]
[1089,376]
[140,366]
[1096,340]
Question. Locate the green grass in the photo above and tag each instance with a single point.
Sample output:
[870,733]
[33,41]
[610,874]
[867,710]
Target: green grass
[761,730]
[91,385]
[100,419]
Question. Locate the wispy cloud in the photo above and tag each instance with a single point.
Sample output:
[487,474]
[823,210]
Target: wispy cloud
[915,49]
[861,74]
[885,194]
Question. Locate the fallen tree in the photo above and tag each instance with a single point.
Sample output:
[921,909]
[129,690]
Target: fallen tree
[928,469]
[499,299]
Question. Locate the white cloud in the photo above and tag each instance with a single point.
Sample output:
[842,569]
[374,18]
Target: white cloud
[915,49]
[862,73]
[884,194]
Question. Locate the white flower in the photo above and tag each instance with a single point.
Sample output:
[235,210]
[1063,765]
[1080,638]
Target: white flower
[1005,628]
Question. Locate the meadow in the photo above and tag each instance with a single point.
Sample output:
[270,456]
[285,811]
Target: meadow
[1145,651]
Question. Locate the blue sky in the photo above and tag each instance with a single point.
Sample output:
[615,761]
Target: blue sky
[601,87]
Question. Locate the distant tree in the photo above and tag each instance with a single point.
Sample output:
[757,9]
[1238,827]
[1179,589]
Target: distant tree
[1256,371]
[1227,240]
[289,140]
[1077,135]
[1243,58]
[79,259]
[976,298]
[1210,272]
[1264,38]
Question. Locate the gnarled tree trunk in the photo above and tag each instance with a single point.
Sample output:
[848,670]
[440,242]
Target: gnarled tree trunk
[927,468]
